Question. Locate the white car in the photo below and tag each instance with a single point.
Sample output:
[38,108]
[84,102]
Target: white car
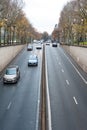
[39,46]
[29,47]
[33,60]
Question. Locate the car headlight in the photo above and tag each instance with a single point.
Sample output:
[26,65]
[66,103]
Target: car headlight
[14,78]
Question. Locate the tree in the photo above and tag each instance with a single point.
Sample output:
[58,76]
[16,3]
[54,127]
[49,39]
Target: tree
[45,36]
[73,21]
[15,24]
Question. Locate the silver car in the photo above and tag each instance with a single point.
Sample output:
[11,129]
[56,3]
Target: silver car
[12,74]
[29,47]
[33,60]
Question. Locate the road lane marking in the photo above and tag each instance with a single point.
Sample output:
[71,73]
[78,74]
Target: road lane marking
[9,106]
[62,70]
[57,58]
[38,103]
[76,69]
[67,82]
[49,108]
[37,116]
[75,101]
[48,100]
[59,63]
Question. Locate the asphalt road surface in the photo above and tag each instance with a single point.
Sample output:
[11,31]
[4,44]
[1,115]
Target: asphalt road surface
[19,103]
[67,92]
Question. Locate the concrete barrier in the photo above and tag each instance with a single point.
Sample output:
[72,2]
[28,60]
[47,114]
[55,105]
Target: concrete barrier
[79,54]
[7,54]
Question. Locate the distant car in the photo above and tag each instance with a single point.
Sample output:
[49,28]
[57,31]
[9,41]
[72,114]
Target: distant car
[29,47]
[38,42]
[47,43]
[39,46]
[54,44]
[12,74]
[33,60]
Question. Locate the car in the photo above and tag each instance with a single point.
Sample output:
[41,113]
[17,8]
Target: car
[54,44]
[33,60]
[39,46]
[47,43]
[29,47]
[12,74]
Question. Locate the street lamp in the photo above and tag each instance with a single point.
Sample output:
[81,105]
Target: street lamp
[14,35]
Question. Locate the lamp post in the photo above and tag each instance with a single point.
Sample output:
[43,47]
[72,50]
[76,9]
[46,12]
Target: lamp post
[0,35]
[82,33]
[14,35]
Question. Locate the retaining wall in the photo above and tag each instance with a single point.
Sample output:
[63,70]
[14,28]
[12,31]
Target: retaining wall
[7,54]
[79,54]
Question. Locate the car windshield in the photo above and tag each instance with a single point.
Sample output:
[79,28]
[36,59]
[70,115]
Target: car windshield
[30,46]
[11,71]
[32,58]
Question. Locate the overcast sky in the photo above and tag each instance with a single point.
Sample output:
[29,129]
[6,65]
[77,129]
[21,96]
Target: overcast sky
[44,14]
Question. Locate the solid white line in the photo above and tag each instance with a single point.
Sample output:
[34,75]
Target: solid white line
[75,100]
[48,101]
[49,109]
[67,82]
[9,106]
[37,116]
[38,103]
[76,69]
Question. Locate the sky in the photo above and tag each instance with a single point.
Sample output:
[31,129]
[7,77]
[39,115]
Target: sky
[44,14]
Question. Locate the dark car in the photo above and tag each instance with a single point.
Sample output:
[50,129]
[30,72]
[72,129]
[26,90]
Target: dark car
[12,74]
[33,60]
[29,47]
[54,44]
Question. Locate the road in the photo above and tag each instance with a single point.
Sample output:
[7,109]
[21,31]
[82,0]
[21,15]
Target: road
[19,103]
[67,92]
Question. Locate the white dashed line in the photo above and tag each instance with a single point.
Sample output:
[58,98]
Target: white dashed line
[75,100]
[59,63]
[9,106]
[67,82]
[62,70]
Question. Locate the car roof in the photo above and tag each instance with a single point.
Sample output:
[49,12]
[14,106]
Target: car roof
[30,45]
[33,55]
[13,66]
